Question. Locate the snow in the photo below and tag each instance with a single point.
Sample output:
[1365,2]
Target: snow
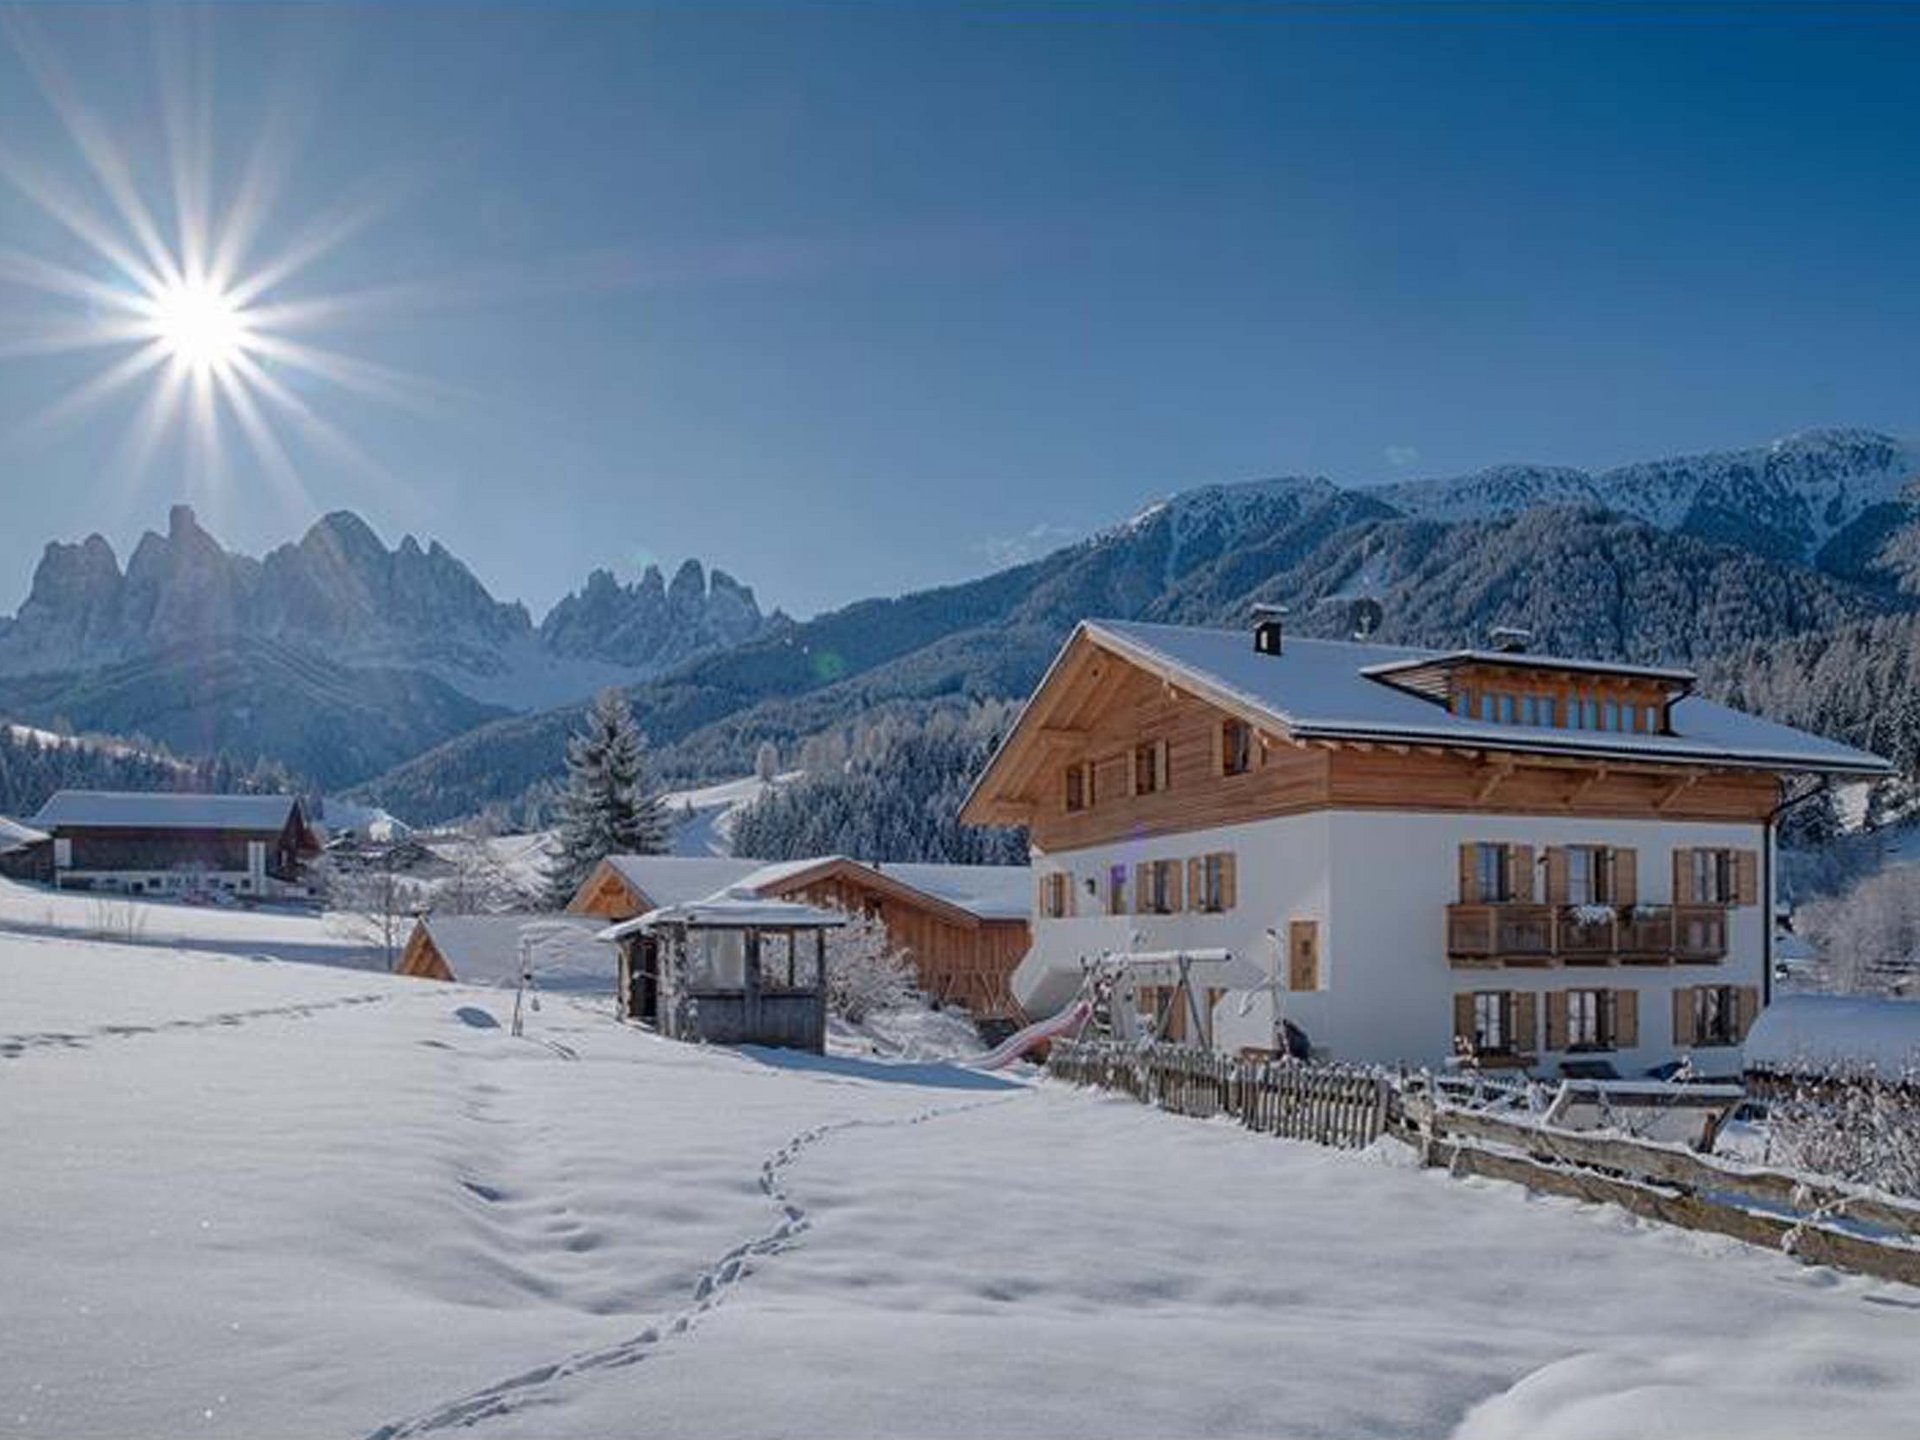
[1321,688]
[14,835]
[249,1198]
[485,950]
[1818,1032]
[991,892]
[158,809]
[703,818]
[294,934]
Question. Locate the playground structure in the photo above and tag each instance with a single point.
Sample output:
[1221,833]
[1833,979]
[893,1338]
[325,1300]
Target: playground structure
[1107,1004]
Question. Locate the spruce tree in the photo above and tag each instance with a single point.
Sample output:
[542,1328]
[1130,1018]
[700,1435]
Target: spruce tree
[605,809]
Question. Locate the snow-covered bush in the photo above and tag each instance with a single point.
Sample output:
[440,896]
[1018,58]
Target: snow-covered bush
[1868,940]
[1860,1129]
[865,973]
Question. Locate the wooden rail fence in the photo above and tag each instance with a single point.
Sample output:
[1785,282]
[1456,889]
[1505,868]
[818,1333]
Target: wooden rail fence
[1325,1104]
[1813,1219]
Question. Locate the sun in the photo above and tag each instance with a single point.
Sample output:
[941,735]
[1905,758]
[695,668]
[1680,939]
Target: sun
[201,327]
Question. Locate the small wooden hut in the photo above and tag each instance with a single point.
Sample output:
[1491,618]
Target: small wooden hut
[733,969]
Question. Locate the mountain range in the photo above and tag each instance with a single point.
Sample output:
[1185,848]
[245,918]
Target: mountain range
[395,671]
[334,654]
[1694,560]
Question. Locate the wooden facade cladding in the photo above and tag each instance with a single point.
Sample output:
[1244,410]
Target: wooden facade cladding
[606,893]
[422,959]
[1098,707]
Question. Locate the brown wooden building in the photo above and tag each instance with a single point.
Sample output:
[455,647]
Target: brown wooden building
[964,927]
[141,843]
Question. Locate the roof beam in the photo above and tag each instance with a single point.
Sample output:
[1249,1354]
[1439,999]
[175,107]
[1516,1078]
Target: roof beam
[1679,787]
[1495,774]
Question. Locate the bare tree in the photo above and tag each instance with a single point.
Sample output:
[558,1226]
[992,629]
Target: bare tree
[371,905]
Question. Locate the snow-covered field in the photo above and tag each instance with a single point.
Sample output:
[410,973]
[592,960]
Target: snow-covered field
[290,933]
[253,1198]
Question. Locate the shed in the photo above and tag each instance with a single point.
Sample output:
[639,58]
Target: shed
[25,853]
[732,969]
[1835,1036]
[487,950]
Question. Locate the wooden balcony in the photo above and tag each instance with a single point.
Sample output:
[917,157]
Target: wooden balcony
[1525,934]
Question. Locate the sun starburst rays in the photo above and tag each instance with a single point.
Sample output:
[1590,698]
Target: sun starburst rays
[175,297]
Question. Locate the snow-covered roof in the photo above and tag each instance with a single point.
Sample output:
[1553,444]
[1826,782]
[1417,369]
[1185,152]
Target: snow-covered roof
[989,892]
[992,892]
[1846,1032]
[675,879]
[734,909]
[1330,689]
[485,949]
[15,836]
[161,810]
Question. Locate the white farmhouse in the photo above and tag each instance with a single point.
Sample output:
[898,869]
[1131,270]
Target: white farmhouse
[1535,862]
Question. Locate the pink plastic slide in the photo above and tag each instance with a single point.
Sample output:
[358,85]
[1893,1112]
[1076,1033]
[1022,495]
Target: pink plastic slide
[1021,1041]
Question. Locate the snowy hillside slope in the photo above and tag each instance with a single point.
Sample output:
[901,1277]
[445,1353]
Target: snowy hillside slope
[703,817]
[248,1198]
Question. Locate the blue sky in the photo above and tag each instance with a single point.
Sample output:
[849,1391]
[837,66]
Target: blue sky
[853,299]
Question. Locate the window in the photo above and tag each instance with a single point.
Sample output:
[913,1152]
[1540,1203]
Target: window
[1159,885]
[1716,1015]
[1493,876]
[1150,767]
[1056,892]
[1589,1020]
[1589,875]
[1236,747]
[1712,877]
[1462,703]
[1116,889]
[1486,707]
[1211,876]
[1079,790]
[1506,710]
[1492,1021]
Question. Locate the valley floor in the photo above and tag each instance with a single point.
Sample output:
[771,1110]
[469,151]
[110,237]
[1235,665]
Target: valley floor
[253,1198]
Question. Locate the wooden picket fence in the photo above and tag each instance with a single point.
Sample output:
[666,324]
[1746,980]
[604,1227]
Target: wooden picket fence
[1326,1104]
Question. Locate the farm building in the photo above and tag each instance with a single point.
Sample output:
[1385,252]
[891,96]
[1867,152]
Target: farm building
[1493,857]
[964,927]
[488,950]
[250,846]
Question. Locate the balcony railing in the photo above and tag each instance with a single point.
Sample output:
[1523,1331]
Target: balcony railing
[1525,934]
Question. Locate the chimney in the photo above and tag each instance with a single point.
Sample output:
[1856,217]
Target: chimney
[1267,625]
[1510,639]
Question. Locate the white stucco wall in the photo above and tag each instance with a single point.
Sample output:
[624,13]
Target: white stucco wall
[1380,883]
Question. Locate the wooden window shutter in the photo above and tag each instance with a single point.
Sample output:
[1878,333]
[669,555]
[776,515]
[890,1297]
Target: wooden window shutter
[1556,1020]
[1556,875]
[1626,876]
[1219,756]
[1520,873]
[1463,1018]
[1142,896]
[1163,765]
[1749,1011]
[1746,877]
[1069,897]
[1229,880]
[1526,1022]
[1040,895]
[1196,890]
[1683,1014]
[1173,885]
[1469,875]
[1626,1019]
[1303,955]
[1683,877]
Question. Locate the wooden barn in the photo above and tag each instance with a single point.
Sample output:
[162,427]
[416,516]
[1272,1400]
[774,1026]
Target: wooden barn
[964,927]
[490,949]
[138,843]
